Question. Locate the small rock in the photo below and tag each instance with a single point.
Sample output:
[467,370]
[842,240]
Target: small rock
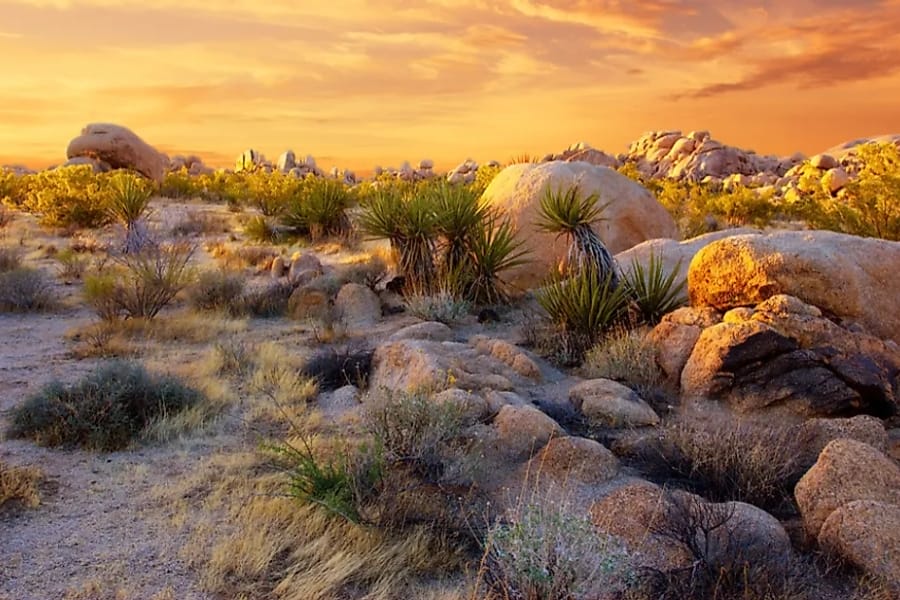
[523,430]
[610,403]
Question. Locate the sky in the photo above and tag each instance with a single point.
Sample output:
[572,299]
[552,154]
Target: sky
[357,83]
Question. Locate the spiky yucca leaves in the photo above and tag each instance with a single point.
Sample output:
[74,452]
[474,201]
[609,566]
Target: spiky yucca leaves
[409,221]
[565,212]
[493,249]
[319,208]
[128,201]
[653,291]
[583,305]
[460,217]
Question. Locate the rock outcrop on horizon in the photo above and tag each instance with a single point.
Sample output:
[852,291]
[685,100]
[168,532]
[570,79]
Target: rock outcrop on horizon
[120,148]
[632,214]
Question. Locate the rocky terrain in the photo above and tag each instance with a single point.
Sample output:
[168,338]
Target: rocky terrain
[744,444]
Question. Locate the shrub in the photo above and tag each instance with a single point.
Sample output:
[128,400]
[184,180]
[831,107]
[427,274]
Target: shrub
[583,305]
[730,460]
[546,551]
[101,293]
[483,177]
[341,485]
[179,184]
[217,291]
[493,249]
[152,278]
[720,566]
[266,301]
[6,216]
[67,196]
[260,229]
[24,290]
[415,430]
[629,358]
[72,265]
[10,259]
[129,198]
[442,306]
[198,222]
[103,411]
[231,356]
[269,193]
[335,368]
[320,209]
[867,206]
[408,221]
[19,484]
[653,292]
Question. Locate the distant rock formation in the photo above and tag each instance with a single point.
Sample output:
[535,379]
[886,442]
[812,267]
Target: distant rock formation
[120,148]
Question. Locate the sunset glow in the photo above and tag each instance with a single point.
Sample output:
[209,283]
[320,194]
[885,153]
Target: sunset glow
[358,83]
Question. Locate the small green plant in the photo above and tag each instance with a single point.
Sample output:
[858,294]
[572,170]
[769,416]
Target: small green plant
[25,290]
[654,292]
[341,485]
[460,216]
[493,249]
[583,305]
[565,212]
[103,411]
[129,199]
[546,551]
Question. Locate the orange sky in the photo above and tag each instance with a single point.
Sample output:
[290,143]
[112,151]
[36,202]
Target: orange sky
[358,83]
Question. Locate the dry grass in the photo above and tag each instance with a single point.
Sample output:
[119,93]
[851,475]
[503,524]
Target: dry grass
[251,541]
[241,257]
[724,459]
[19,485]
[281,393]
[97,590]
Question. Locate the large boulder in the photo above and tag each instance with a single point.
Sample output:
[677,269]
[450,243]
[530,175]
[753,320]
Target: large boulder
[753,366]
[851,277]
[609,403]
[867,534]
[632,215]
[120,148]
[847,470]
[674,254]
[357,306]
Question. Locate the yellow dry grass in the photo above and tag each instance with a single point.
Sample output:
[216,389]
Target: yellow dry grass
[19,484]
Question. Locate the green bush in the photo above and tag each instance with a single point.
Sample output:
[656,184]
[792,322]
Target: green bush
[584,305]
[25,290]
[67,196]
[653,292]
[179,184]
[549,552]
[103,411]
[867,206]
[319,208]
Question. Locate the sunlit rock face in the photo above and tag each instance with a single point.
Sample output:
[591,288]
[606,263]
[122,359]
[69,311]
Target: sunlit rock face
[120,148]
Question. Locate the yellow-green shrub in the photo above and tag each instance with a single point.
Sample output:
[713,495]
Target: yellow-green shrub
[67,196]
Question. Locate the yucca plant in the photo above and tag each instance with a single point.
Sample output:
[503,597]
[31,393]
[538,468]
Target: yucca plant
[409,222]
[654,292]
[565,212]
[492,249]
[320,208]
[460,217]
[584,305]
[128,201]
